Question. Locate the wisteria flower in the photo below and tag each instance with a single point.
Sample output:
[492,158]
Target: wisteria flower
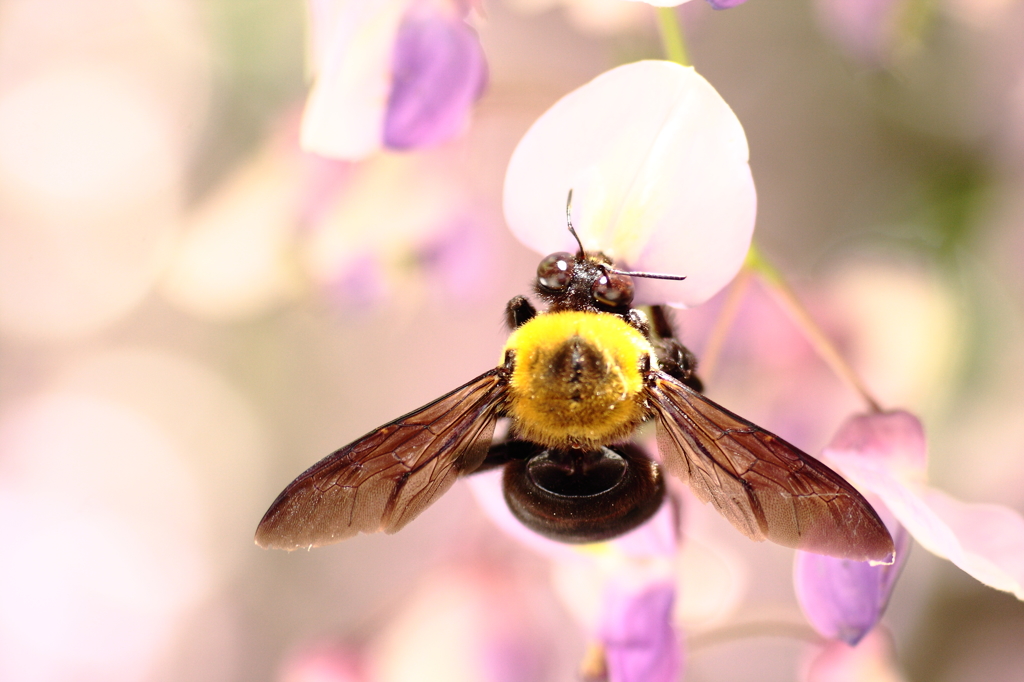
[658,166]
[639,641]
[622,592]
[630,587]
[845,599]
[395,74]
[885,455]
[363,246]
[285,219]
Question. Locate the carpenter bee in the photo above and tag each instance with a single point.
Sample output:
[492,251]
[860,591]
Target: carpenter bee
[576,381]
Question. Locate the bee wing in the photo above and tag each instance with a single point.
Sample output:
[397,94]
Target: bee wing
[764,486]
[385,479]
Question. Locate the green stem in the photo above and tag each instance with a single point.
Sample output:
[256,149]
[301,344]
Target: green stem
[672,36]
[727,315]
[776,285]
[675,50]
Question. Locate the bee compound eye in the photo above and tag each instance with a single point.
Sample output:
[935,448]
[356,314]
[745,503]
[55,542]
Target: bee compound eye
[555,272]
[613,290]
[580,496]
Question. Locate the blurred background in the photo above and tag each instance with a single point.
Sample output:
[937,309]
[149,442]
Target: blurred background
[192,311]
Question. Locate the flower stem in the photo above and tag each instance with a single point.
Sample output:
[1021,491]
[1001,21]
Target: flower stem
[594,666]
[763,628]
[786,298]
[672,35]
[726,316]
[675,50]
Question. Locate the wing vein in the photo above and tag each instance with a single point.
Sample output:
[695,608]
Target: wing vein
[767,488]
[386,478]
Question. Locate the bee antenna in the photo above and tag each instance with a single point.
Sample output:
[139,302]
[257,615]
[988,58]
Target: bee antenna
[568,219]
[649,275]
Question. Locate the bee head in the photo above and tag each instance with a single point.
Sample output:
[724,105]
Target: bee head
[584,283]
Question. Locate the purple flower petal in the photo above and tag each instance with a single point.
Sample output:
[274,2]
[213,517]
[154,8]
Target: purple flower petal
[352,47]
[725,4]
[845,599]
[458,258]
[641,645]
[438,72]
[361,284]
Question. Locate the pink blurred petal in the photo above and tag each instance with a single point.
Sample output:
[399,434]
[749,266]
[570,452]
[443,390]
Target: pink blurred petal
[364,247]
[487,489]
[323,663]
[881,454]
[458,259]
[360,285]
[658,167]
[657,538]
[439,71]
[989,540]
[663,3]
[866,29]
[870,661]
[891,442]
[514,655]
[468,623]
[353,43]
[715,4]
[640,642]
[322,180]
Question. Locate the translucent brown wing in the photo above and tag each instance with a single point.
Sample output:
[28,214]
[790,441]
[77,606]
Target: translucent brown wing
[386,478]
[764,486]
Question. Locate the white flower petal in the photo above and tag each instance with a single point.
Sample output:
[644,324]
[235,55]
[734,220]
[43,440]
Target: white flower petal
[344,116]
[984,540]
[657,162]
[884,454]
[989,540]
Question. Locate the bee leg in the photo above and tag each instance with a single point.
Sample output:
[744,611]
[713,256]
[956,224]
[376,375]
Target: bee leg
[674,358]
[638,320]
[677,361]
[518,312]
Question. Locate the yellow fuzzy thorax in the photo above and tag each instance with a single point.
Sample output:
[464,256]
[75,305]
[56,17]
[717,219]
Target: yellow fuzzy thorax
[576,379]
